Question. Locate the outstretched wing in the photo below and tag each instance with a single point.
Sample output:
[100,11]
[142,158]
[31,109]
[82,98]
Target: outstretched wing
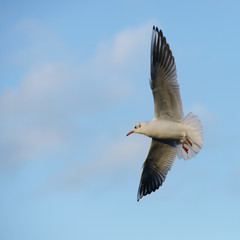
[163,82]
[156,166]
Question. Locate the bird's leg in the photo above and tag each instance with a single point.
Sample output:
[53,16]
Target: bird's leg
[189,142]
[184,148]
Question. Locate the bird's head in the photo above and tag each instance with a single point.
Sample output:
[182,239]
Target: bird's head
[138,128]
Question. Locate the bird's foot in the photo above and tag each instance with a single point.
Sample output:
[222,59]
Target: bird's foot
[188,141]
[184,148]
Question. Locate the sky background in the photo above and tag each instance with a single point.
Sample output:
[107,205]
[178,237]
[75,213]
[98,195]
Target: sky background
[74,79]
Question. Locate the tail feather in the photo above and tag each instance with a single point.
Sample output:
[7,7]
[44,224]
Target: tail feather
[194,134]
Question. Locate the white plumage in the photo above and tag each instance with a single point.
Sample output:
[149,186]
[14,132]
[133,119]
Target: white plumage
[171,133]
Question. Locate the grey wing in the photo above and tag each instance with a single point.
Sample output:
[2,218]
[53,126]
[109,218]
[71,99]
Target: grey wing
[163,82]
[156,166]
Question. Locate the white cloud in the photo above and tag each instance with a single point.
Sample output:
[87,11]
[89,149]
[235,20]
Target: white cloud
[126,47]
[122,152]
[40,114]
[206,116]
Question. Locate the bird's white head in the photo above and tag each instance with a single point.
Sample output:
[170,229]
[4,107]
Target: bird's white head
[138,128]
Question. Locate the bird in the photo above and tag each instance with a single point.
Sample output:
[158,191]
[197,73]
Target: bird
[172,134]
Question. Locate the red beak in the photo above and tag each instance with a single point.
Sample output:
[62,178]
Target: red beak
[130,133]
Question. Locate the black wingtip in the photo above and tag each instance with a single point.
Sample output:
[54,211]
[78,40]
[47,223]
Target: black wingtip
[159,31]
[139,197]
[164,40]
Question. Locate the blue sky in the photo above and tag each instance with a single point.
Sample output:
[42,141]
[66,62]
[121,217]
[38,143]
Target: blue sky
[74,80]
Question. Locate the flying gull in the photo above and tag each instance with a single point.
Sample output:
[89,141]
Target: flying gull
[172,134]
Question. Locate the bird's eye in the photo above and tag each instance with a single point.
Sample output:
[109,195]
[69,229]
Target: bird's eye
[135,127]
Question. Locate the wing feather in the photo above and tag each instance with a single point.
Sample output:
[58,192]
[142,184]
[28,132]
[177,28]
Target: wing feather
[163,82]
[156,166]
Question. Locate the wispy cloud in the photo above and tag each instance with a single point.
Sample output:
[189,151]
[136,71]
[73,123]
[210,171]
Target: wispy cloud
[40,114]
[121,152]
[207,116]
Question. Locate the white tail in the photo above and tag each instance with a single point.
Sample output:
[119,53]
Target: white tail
[194,134]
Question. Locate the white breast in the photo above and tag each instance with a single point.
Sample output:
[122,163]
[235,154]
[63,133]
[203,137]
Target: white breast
[164,129]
